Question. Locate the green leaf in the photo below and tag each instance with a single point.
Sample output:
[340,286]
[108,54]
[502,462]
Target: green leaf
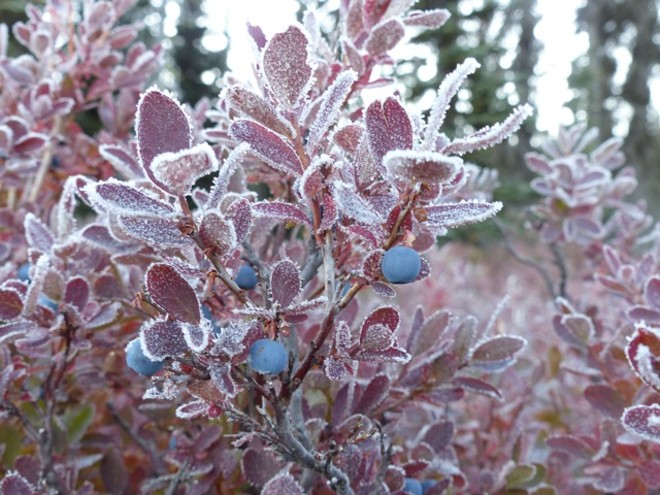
[525,476]
[77,420]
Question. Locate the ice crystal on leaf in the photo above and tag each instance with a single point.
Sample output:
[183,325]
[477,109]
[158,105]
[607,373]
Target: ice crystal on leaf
[450,215]
[178,171]
[286,66]
[285,282]
[388,128]
[425,167]
[153,230]
[643,421]
[353,205]
[282,484]
[282,211]
[257,108]
[162,339]
[119,198]
[428,18]
[172,293]
[385,36]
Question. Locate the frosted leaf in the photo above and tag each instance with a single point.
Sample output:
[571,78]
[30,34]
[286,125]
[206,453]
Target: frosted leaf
[382,289]
[240,214]
[608,154]
[378,389]
[258,109]
[388,128]
[77,293]
[281,211]
[178,171]
[451,215]
[162,339]
[575,329]
[571,444]
[305,307]
[643,352]
[343,339]
[439,435]
[14,484]
[121,199]
[285,282]
[192,409]
[497,353]
[217,233]
[365,233]
[30,143]
[157,231]
[351,204]
[172,293]
[424,271]
[267,146]
[431,19]
[448,88]
[376,337]
[385,36]
[392,354]
[423,166]
[348,137]
[354,57]
[282,484]
[161,126]
[285,65]
[477,386]
[259,465]
[330,213]
[371,265]
[37,234]
[538,163]
[221,377]
[652,292]
[122,161]
[11,304]
[257,36]
[490,136]
[334,369]
[386,315]
[312,181]
[196,336]
[227,169]
[231,338]
[333,99]
[643,421]
[605,399]
[11,331]
[166,389]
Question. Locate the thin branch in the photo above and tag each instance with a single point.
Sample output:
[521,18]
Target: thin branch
[561,266]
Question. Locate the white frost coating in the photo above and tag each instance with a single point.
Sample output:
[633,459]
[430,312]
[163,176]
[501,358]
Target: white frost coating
[38,274]
[351,204]
[425,166]
[181,169]
[645,361]
[168,94]
[448,88]
[123,198]
[196,336]
[333,99]
[191,409]
[65,221]
[648,429]
[455,214]
[490,136]
[227,169]
[230,340]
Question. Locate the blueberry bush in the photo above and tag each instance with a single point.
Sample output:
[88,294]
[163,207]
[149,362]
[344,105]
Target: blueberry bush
[294,327]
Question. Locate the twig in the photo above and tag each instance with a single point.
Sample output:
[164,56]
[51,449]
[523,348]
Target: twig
[176,481]
[561,266]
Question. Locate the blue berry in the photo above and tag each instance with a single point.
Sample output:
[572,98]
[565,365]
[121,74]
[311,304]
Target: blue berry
[47,302]
[412,486]
[427,485]
[268,357]
[246,278]
[209,316]
[401,265]
[136,360]
[24,272]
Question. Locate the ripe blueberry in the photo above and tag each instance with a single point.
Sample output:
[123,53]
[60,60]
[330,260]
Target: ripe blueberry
[24,272]
[136,360]
[412,486]
[47,302]
[246,278]
[268,357]
[209,316]
[427,485]
[401,265]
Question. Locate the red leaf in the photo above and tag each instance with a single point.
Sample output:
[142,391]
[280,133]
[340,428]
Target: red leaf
[425,166]
[120,198]
[575,329]
[605,399]
[478,386]
[162,339]
[171,292]
[572,445]
[387,316]
[282,484]
[333,99]
[258,109]
[451,215]
[374,393]
[385,36]
[285,282]
[240,213]
[643,421]
[382,289]
[121,160]
[371,265]
[348,137]
[388,128]
[14,484]
[439,435]
[259,465]
[497,353]
[643,351]
[30,143]
[282,211]
[11,304]
[37,234]
[180,170]
[430,19]
[267,146]
[157,231]
[77,293]
[285,65]
[161,126]
[217,233]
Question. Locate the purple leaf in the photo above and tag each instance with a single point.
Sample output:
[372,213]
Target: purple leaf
[575,329]
[451,215]
[423,166]
[281,211]
[335,369]
[448,88]
[227,169]
[333,99]
[14,484]
[162,339]
[330,213]
[196,335]
[376,338]
[371,265]
[348,137]
[30,143]
[221,377]
[178,171]
[652,292]
[351,204]
[392,354]
[258,109]
[257,36]
[374,393]
[285,65]
[382,289]
[154,230]
[121,160]
[643,421]
[259,465]
[11,304]
[388,128]
[477,386]
[77,293]
[497,353]
[37,234]
[172,293]
[609,480]
[240,214]
[430,19]
[122,199]
[161,126]
[267,146]
[605,399]
[285,282]
[439,435]
[217,233]
[572,445]
[192,409]
[282,484]
[386,316]
[385,36]
[643,352]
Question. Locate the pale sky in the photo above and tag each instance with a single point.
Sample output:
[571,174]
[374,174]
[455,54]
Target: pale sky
[556,30]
